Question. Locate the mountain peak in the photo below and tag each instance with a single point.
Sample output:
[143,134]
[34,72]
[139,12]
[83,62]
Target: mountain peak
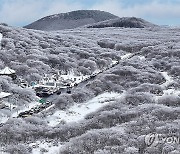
[70,20]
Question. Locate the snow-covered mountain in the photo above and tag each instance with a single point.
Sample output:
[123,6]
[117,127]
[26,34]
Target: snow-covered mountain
[70,20]
[127,22]
[127,100]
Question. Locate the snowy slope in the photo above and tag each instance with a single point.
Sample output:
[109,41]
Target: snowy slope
[77,112]
[127,22]
[70,20]
[147,66]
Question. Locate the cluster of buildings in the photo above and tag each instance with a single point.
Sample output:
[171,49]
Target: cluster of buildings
[57,83]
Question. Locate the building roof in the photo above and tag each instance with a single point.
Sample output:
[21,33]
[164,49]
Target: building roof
[4,94]
[7,71]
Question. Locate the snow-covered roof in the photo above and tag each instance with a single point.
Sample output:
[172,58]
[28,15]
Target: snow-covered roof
[4,94]
[7,70]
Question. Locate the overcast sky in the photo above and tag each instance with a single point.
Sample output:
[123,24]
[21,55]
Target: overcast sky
[23,12]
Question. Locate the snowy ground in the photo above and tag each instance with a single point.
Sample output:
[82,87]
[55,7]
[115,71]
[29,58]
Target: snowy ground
[168,91]
[40,147]
[72,76]
[77,112]
[126,56]
[74,114]
[169,79]
[4,118]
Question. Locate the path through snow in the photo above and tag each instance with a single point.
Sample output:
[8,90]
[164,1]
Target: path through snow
[166,90]
[169,80]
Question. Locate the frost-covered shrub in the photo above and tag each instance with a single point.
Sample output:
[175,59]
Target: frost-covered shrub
[125,71]
[169,100]
[18,149]
[90,65]
[22,70]
[84,55]
[63,101]
[84,70]
[16,130]
[81,95]
[133,84]
[33,77]
[124,47]
[4,42]
[100,151]
[111,77]
[101,63]
[112,55]
[97,86]
[166,113]
[4,57]
[106,44]
[7,43]
[138,98]
[22,96]
[1,64]
[44,45]
[175,70]
[35,120]
[93,140]
[146,87]
[5,83]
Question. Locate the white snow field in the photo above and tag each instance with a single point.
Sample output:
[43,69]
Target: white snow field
[169,80]
[74,114]
[168,91]
[77,112]
[49,148]
[126,56]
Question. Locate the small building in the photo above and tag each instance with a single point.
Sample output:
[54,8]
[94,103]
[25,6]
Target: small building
[8,72]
